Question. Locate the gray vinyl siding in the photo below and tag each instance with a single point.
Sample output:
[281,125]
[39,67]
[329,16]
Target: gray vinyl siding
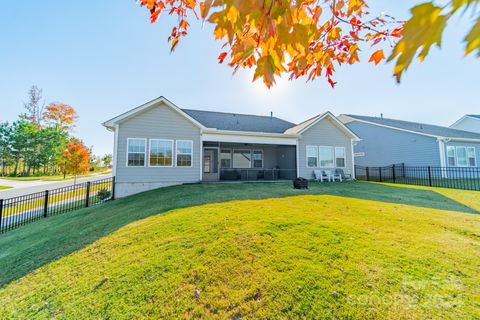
[384,146]
[324,133]
[158,122]
[465,144]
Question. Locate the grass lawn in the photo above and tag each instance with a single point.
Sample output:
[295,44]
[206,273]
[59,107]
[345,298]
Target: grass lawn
[53,177]
[349,250]
[4,187]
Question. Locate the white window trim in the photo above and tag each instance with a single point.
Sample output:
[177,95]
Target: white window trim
[344,157]
[150,152]
[176,154]
[145,153]
[253,160]
[454,155]
[474,157]
[316,155]
[320,160]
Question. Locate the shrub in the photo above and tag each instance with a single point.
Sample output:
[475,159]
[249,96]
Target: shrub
[104,194]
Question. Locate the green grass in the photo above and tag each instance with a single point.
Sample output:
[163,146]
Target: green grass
[4,187]
[52,177]
[306,256]
[290,257]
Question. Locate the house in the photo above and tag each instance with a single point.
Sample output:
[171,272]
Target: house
[159,144]
[469,122]
[387,141]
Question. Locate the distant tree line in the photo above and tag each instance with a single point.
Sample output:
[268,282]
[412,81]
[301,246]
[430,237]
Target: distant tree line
[40,142]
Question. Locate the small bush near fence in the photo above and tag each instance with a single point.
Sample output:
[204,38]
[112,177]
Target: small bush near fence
[467,178]
[18,211]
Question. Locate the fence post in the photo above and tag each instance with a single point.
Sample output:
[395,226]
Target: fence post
[380,173]
[403,170]
[87,197]
[429,176]
[45,204]
[367,169]
[1,213]
[113,188]
[393,174]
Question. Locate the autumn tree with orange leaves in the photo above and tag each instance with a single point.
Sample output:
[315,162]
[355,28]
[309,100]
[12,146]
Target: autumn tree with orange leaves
[60,115]
[75,158]
[310,38]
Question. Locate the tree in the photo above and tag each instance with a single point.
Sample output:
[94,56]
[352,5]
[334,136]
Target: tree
[107,159]
[60,115]
[5,146]
[34,106]
[76,158]
[310,38]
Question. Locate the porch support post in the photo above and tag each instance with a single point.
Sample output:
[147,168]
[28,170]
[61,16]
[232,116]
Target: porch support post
[201,158]
[297,144]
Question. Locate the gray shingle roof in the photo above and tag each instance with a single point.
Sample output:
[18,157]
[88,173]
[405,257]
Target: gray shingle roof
[424,128]
[239,122]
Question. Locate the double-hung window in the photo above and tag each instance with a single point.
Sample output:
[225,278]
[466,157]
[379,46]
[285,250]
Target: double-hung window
[136,151]
[340,157]
[258,159]
[472,161]
[225,158]
[161,153]
[326,157]
[312,156]
[462,157]
[451,156]
[184,153]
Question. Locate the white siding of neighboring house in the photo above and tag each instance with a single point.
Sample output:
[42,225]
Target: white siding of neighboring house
[158,122]
[468,124]
[324,133]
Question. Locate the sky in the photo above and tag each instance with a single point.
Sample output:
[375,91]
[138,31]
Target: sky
[104,58]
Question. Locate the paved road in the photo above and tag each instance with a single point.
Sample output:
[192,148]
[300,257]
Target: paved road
[21,188]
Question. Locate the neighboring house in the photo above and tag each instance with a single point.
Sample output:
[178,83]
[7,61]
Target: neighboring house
[158,144]
[388,141]
[469,122]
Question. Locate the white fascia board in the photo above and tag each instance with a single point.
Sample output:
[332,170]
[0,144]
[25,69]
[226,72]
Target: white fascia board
[447,139]
[248,137]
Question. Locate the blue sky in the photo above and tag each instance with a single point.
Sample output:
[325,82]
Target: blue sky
[104,57]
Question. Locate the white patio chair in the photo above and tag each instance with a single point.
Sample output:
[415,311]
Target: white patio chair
[320,175]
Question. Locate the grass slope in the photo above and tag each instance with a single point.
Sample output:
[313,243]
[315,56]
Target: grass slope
[31,246]
[4,187]
[297,257]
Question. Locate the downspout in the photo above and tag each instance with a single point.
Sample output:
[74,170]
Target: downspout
[443,162]
[297,144]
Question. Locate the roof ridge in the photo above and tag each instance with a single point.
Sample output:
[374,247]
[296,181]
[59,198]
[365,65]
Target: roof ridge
[237,114]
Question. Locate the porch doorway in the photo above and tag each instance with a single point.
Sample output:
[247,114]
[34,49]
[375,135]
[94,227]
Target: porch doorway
[210,165]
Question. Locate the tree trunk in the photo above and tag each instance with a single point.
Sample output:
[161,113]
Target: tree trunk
[15,170]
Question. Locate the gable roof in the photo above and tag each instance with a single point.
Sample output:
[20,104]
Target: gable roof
[112,122]
[305,125]
[239,122]
[417,127]
[471,116]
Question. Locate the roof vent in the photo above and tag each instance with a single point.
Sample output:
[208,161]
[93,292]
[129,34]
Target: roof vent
[381,115]
[271,114]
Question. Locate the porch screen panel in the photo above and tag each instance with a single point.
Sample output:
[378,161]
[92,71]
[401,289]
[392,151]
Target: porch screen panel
[242,159]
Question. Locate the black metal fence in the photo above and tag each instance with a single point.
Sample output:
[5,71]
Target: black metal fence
[466,178]
[18,211]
